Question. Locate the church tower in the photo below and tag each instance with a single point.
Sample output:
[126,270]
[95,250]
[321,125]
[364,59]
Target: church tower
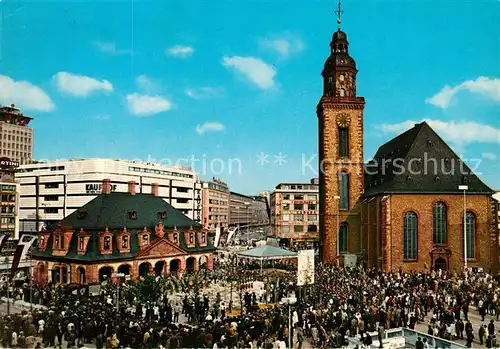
[340,119]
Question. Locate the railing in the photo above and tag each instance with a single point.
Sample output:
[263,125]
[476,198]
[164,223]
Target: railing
[406,338]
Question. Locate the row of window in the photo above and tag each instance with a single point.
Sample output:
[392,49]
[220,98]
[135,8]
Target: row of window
[298,187]
[125,243]
[9,137]
[51,168]
[168,173]
[16,146]
[299,207]
[439,231]
[300,228]
[8,198]
[299,217]
[299,197]
[16,153]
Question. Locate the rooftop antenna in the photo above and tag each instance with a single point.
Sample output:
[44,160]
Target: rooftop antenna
[339,13]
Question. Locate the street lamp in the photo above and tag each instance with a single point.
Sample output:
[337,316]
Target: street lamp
[118,276]
[290,301]
[465,188]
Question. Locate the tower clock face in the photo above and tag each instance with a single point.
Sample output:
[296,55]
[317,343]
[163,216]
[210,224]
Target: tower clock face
[343,119]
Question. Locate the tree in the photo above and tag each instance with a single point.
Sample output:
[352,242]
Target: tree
[193,283]
[149,288]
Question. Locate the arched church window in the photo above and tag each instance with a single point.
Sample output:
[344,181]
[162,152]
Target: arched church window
[470,232]
[342,92]
[342,77]
[344,190]
[439,222]
[410,236]
[343,233]
[343,142]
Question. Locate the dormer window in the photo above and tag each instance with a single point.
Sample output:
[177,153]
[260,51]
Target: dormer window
[203,238]
[41,242]
[59,241]
[145,239]
[176,238]
[191,238]
[124,241]
[132,215]
[81,214]
[162,215]
[81,243]
[107,243]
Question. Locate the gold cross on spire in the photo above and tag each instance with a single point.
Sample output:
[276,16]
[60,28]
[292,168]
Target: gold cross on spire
[339,13]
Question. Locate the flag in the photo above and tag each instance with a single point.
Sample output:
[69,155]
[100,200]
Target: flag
[230,235]
[16,260]
[3,240]
[217,236]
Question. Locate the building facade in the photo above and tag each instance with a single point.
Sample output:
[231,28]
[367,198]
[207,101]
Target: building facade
[15,135]
[405,209]
[215,205]
[53,190]
[128,233]
[247,210]
[294,212]
[9,199]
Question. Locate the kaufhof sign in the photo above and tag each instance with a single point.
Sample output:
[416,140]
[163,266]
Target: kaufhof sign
[96,188]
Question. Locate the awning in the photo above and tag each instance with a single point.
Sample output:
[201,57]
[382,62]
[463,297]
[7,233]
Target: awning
[267,252]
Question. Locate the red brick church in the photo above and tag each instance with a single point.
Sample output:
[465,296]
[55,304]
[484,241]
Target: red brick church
[129,233]
[403,209]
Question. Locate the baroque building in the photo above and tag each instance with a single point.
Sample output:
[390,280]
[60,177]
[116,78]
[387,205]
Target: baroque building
[125,233]
[415,206]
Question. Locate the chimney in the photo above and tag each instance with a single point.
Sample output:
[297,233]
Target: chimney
[106,186]
[154,189]
[131,187]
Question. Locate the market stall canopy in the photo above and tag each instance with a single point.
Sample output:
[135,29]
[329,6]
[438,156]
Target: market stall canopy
[267,252]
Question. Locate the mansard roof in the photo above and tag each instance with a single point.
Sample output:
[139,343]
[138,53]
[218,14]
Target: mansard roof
[118,210]
[418,161]
[112,213]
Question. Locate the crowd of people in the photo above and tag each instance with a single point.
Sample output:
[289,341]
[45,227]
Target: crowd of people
[342,303]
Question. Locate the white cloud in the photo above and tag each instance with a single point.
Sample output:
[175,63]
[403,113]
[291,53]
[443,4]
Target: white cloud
[489,156]
[482,85]
[24,95]
[80,85]
[284,45]
[180,51]
[110,48]
[256,70]
[205,92]
[457,132]
[209,127]
[146,105]
[147,85]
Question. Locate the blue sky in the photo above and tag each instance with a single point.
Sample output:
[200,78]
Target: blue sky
[224,81]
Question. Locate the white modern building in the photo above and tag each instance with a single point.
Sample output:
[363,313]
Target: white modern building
[50,191]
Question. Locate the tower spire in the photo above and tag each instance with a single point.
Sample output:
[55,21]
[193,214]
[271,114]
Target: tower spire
[339,13]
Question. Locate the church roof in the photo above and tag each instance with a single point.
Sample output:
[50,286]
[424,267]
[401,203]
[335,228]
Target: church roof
[418,161]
